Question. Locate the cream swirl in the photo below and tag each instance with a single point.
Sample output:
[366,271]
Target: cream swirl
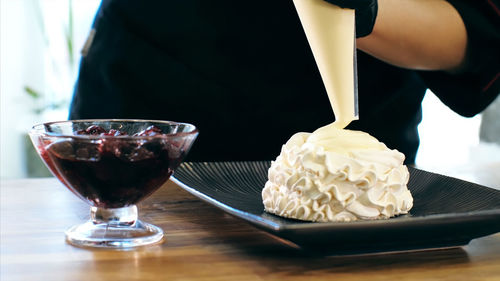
[337,175]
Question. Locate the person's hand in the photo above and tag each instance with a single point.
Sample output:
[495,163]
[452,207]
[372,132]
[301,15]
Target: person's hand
[366,13]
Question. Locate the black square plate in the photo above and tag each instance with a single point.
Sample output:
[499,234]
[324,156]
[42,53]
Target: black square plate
[447,212]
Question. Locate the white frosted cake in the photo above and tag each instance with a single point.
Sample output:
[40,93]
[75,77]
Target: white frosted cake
[334,174]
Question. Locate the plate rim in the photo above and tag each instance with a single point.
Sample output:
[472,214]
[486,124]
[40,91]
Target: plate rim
[446,218]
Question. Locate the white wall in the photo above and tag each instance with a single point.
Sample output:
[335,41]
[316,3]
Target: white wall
[446,137]
[29,59]
[21,63]
[451,144]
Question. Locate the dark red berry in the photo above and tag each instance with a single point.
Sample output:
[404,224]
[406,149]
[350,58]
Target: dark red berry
[97,130]
[94,130]
[150,131]
[114,132]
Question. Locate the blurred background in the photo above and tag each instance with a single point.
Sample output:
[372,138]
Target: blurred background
[40,43]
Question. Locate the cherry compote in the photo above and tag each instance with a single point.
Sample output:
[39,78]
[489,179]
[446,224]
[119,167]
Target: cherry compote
[116,172]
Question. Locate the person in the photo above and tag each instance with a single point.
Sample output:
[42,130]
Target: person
[244,74]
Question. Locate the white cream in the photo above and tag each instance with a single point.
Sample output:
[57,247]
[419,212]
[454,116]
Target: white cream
[337,175]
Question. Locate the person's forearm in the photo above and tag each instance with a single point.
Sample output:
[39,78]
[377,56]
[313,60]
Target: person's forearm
[417,34]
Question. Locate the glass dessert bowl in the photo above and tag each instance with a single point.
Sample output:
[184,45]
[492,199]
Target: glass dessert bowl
[113,165]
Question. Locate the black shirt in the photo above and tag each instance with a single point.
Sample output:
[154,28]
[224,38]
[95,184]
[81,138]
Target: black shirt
[243,74]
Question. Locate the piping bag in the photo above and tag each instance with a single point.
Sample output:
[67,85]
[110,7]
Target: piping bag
[330,31]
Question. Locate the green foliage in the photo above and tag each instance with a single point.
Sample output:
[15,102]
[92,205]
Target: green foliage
[37,96]
[32,92]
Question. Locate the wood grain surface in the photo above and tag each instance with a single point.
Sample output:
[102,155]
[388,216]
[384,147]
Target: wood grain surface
[201,243]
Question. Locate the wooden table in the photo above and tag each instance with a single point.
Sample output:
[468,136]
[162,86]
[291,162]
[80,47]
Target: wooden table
[202,243]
